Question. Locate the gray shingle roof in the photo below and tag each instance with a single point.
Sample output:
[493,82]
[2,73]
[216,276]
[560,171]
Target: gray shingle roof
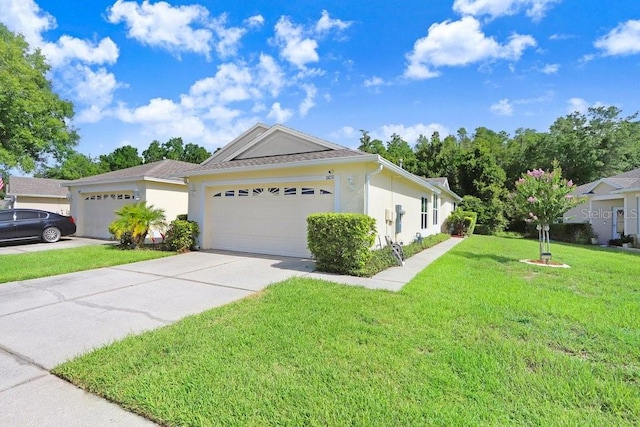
[625,180]
[163,169]
[22,186]
[287,158]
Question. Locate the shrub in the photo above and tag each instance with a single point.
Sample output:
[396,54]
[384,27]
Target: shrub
[340,242]
[461,222]
[182,234]
[566,232]
[136,220]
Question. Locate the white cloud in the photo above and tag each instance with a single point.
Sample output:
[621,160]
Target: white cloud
[255,21]
[92,89]
[345,132]
[228,39]
[160,24]
[622,40]
[325,24]
[270,77]
[374,81]
[502,108]
[297,44]
[26,17]
[581,105]
[68,49]
[309,101]
[293,46]
[550,68]
[535,9]
[409,133]
[279,114]
[459,43]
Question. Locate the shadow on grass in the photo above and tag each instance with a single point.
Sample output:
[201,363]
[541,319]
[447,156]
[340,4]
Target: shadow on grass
[473,255]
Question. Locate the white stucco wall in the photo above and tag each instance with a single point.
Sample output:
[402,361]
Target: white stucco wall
[173,199]
[51,204]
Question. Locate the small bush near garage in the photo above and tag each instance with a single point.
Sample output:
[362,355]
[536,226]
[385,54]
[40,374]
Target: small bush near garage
[461,222]
[182,234]
[341,242]
[381,259]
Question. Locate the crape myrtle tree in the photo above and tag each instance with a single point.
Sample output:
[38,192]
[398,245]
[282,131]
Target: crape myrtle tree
[541,197]
[34,121]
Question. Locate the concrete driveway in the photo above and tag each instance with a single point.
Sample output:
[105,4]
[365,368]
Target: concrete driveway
[44,322]
[36,246]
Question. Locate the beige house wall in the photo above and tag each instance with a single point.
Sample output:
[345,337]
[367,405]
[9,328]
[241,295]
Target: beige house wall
[51,204]
[172,198]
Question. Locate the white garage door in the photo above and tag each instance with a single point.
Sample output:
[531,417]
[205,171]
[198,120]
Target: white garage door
[266,219]
[98,212]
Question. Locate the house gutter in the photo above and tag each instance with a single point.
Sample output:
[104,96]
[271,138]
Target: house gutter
[367,182]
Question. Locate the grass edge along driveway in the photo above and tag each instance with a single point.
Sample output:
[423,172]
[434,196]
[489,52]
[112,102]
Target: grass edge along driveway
[61,261]
[477,338]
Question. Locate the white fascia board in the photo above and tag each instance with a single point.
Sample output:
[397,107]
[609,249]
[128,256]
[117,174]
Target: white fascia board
[302,163]
[125,179]
[627,190]
[408,175]
[596,197]
[48,196]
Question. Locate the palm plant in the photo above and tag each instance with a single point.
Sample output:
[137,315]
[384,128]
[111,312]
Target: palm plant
[136,220]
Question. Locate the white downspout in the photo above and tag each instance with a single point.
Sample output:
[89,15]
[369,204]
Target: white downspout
[367,182]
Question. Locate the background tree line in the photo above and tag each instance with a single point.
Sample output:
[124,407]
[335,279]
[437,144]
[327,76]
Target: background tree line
[76,165]
[483,167]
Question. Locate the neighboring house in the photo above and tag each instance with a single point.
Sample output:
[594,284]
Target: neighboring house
[94,199]
[38,193]
[611,207]
[255,193]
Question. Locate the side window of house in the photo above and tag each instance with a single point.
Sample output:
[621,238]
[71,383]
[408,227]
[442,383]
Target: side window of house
[435,209]
[424,213]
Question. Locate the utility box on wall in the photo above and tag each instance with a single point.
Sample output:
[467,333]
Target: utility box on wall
[399,213]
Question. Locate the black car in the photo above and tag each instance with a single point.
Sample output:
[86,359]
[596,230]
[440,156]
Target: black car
[26,224]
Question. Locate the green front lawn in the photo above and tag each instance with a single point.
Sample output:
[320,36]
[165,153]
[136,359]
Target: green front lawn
[52,262]
[477,338]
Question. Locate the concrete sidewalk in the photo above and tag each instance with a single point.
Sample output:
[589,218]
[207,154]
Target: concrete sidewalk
[44,322]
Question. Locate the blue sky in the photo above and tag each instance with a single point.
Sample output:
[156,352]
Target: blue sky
[206,71]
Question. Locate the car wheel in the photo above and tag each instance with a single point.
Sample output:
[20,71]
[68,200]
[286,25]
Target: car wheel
[51,234]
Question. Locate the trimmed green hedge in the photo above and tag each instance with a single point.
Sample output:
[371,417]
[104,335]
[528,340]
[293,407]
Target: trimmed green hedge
[341,242]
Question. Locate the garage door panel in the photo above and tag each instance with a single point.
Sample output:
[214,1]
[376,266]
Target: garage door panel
[269,219]
[98,212]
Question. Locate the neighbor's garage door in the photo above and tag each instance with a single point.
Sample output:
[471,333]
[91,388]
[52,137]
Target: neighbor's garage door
[98,212]
[266,219]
